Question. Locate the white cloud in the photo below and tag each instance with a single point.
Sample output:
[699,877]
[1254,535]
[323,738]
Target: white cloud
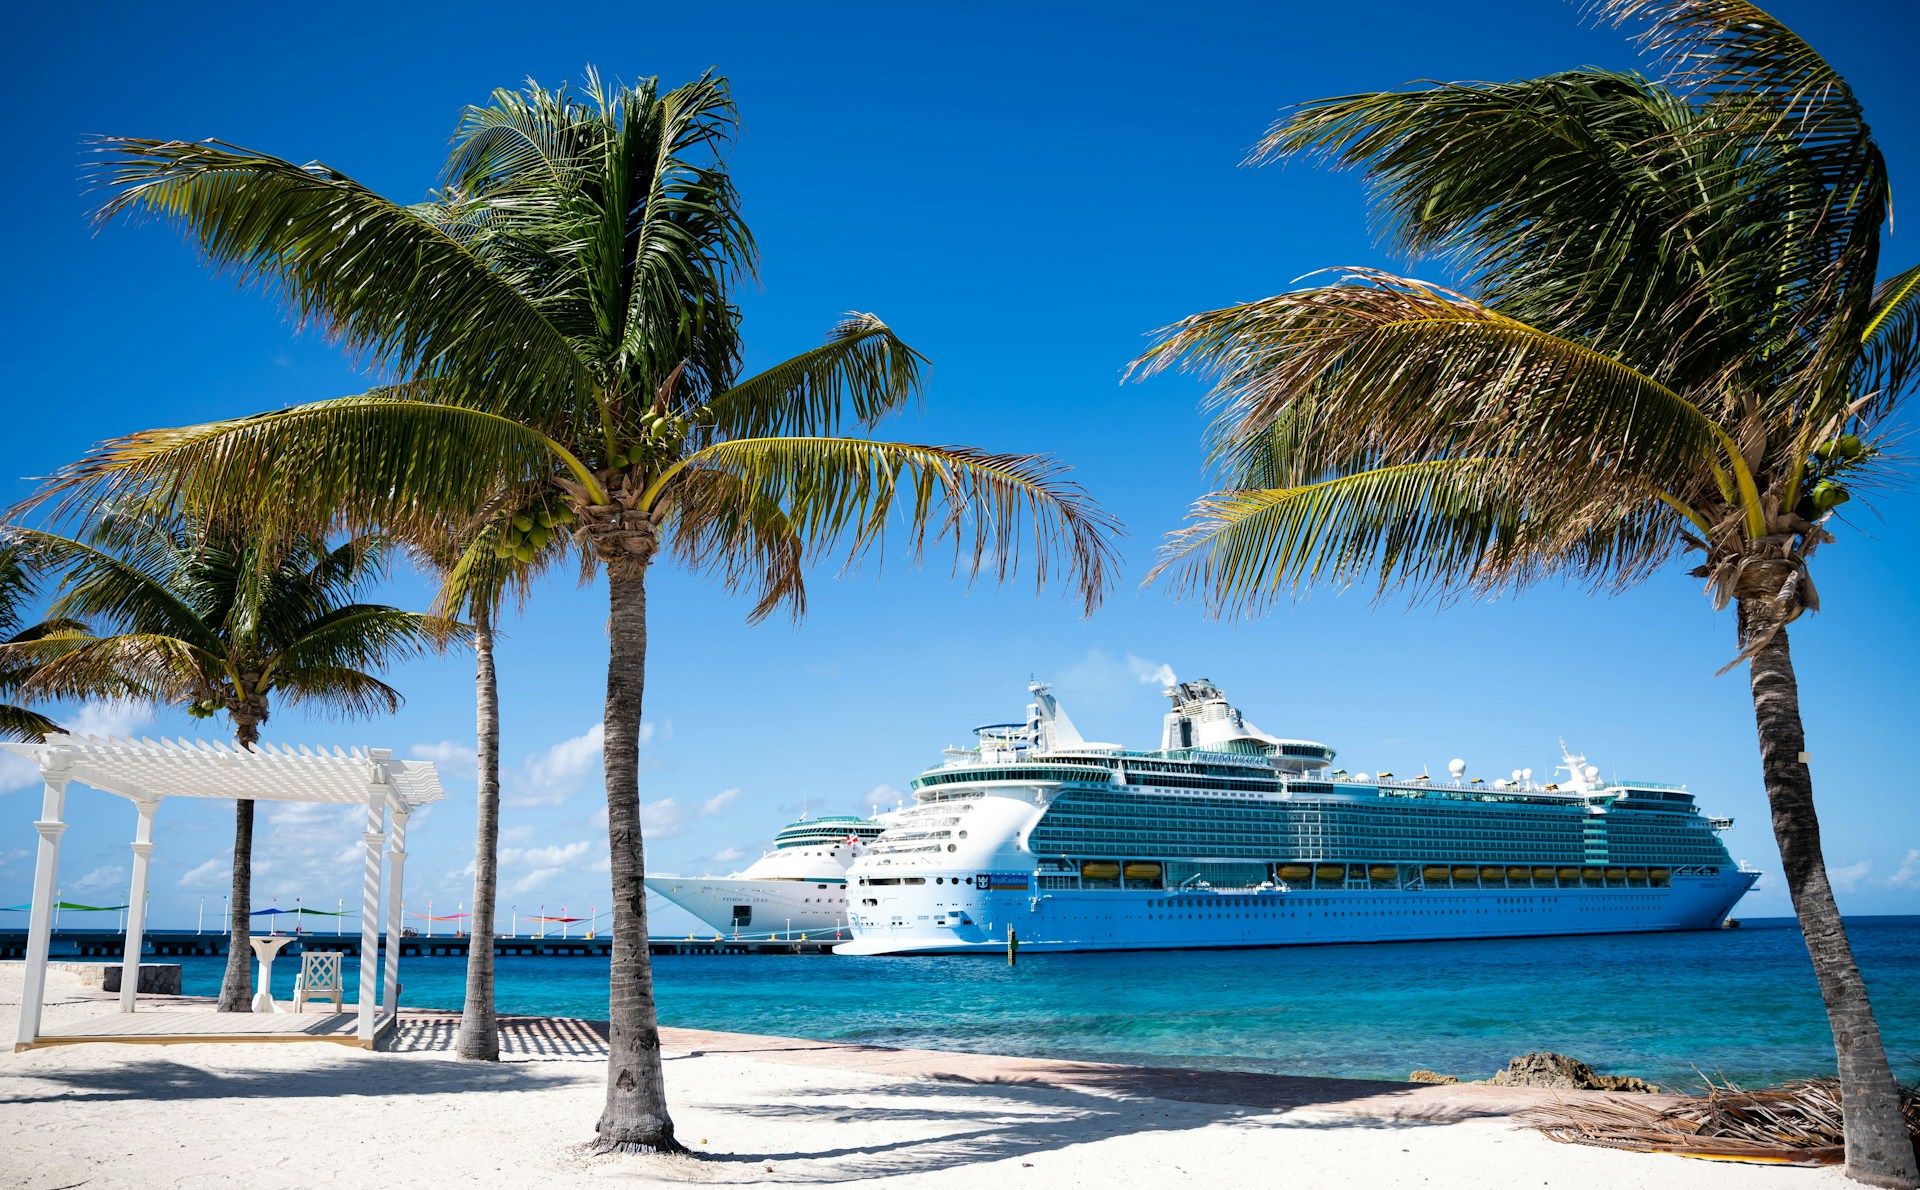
[718,803]
[111,876]
[94,717]
[516,834]
[727,855]
[1848,878]
[646,733]
[1908,874]
[545,857]
[883,796]
[17,772]
[451,758]
[551,777]
[108,718]
[533,881]
[1153,673]
[662,819]
[215,873]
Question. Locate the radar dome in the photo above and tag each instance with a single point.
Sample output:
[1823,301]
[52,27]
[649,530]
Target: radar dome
[1457,767]
[1360,776]
[1593,772]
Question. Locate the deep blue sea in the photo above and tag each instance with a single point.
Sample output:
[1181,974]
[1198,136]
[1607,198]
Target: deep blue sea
[1735,1003]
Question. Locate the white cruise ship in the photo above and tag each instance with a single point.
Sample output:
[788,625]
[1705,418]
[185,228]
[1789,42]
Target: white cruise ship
[1226,836]
[799,887]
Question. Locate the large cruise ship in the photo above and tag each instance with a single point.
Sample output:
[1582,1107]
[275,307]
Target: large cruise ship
[1226,836]
[797,888]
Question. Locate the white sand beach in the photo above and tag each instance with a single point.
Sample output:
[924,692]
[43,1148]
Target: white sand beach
[756,1110]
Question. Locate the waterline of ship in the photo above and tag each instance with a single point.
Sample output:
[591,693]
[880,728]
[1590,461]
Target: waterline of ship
[1226,836]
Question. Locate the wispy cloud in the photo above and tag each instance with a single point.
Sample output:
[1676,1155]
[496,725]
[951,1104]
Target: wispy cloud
[1851,876]
[112,876]
[213,874]
[451,758]
[94,717]
[1908,874]
[727,855]
[718,803]
[109,718]
[551,777]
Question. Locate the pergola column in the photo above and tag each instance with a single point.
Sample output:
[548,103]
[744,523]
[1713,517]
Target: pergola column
[130,954]
[375,838]
[46,868]
[396,920]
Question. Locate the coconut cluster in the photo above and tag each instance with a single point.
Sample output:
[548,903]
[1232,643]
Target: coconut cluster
[661,435]
[530,530]
[1830,460]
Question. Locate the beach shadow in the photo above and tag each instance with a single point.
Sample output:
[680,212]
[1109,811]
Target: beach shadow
[977,1121]
[160,1079]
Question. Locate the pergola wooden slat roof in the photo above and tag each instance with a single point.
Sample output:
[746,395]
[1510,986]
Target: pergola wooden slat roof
[146,770]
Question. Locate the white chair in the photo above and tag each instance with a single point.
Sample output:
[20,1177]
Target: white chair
[319,977]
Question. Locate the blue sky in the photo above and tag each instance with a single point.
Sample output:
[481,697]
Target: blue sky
[1023,192]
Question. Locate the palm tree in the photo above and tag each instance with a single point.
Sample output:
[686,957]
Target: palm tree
[478,568]
[1674,341]
[17,588]
[560,316]
[218,623]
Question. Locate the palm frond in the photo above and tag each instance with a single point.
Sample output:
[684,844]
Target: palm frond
[359,636]
[718,524]
[149,666]
[475,577]
[1403,372]
[369,460]
[26,726]
[1890,346]
[840,495]
[374,274]
[127,593]
[1443,527]
[862,373]
[341,690]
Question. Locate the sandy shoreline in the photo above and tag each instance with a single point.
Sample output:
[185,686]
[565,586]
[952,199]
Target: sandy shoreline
[757,1110]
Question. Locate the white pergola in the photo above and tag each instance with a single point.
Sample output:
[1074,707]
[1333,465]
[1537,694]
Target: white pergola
[145,772]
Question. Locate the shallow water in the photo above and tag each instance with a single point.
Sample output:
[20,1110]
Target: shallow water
[1739,1003]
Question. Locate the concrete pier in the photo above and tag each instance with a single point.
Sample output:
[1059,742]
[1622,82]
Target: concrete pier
[108,944]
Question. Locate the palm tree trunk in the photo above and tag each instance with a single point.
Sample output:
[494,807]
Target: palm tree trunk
[1879,1151]
[635,1118]
[236,985]
[479,1038]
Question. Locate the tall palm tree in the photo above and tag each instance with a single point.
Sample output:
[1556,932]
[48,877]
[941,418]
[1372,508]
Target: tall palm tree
[1673,341]
[480,563]
[561,320]
[18,587]
[222,624]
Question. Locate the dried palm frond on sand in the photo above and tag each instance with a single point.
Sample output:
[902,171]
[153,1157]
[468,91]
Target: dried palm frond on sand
[1797,1123]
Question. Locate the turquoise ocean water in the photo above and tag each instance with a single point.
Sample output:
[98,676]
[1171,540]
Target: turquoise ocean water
[1739,1003]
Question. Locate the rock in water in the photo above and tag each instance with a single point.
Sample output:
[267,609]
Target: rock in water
[1428,1076]
[1558,1070]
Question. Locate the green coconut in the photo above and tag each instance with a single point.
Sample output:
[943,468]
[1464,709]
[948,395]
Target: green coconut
[1828,495]
[1850,447]
[523,521]
[524,552]
[543,518]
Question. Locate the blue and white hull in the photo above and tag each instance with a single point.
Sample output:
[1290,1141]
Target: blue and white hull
[1074,920]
